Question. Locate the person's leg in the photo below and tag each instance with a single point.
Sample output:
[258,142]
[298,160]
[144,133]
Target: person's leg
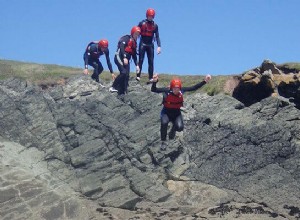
[118,83]
[141,58]
[126,83]
[98,68]
[164,126]
[172,132]
[177,126]
[150,56]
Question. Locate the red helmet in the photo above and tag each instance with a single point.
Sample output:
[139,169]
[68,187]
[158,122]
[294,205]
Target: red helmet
[175,83]
[135,29]
[103,43]
[150,12]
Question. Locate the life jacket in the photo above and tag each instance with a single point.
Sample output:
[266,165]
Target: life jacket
[130,44]
[148,28]
[94,54]
[171,100]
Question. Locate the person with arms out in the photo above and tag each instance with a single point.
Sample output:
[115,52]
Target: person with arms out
[91,57]
[172,102]
[148,29]
[126,50]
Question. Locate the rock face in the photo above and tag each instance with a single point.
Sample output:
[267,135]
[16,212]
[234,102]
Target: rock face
[268,80]
[79,152]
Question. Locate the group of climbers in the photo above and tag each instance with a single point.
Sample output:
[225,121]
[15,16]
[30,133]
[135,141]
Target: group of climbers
[127,49]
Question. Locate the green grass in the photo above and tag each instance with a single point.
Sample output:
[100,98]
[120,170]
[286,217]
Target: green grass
[292,66]
[49,74]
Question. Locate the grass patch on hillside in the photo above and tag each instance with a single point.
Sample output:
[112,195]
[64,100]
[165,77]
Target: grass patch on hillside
[49,74]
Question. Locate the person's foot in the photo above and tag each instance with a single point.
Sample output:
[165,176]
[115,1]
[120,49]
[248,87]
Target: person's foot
[164,145]
[112,89]
[121,97]
[100,84]
[150,81]
[138,78]
[172,133]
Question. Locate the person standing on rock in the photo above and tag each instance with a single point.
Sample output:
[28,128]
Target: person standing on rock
[126,50]
[148,29]
[172,102]
[91,57]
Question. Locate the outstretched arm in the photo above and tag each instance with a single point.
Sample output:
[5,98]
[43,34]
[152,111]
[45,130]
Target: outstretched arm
[108,61]
[198,85]
[158,90]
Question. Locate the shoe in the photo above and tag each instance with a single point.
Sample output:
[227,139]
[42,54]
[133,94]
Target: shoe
[150,81]
[172,133]
[164,145]
[112,89]
[121,97]
[138,78]
[100,84]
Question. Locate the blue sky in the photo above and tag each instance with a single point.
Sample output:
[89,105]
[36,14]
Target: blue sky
[198,36]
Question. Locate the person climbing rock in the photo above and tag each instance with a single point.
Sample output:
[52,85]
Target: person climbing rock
[91,57]
[172,102]
[126,50]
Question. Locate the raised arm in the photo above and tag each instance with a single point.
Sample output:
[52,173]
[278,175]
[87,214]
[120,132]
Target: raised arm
[198,85]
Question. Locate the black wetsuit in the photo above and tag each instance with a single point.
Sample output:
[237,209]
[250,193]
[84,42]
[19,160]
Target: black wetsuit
[124,51]
[146,44]
[91,57]
[172,114]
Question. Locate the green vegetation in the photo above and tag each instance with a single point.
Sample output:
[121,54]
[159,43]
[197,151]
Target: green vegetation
[48,74]
[291,66]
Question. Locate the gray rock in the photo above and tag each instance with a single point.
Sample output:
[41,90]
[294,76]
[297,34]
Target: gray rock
[83,153]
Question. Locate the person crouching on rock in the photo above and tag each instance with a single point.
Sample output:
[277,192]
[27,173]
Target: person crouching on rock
[91,57]
[172,102]
[126,49]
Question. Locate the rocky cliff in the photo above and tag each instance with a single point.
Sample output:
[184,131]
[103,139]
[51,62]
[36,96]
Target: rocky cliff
[267,80]
[79,152]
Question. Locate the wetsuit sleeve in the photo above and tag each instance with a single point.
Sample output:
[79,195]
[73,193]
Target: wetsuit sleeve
[122,49]
[86,57]
[158,90]
[157,36]
[108,61]
[193,88]
[123,53]
[134,57]
[140,24]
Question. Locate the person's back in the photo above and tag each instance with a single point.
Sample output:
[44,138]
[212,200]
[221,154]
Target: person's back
[126,50]
[91,57]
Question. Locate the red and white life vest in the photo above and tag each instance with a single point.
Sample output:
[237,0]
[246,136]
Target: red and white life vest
[131,47]
[173,101]
[147,29]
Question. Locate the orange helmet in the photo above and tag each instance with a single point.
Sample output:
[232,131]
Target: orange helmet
[135,29]
[103,43]
[175,83]
[150,12]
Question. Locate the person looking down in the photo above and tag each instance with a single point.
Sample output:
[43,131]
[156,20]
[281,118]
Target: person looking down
[125,51]
[91,57]
[172,102]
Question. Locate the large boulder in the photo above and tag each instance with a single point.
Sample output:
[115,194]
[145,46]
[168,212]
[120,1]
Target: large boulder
[268,80]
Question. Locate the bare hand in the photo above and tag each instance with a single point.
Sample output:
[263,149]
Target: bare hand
[113,76]
[158,50]
[207,78]
[86,71]
[125,60]
[155,77]
[137,69]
